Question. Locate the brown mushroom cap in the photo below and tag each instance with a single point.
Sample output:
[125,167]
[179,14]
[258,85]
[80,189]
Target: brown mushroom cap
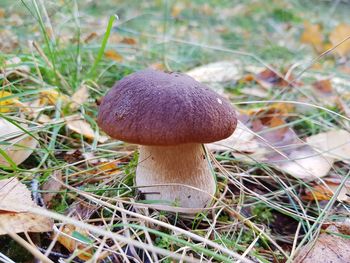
[152,107]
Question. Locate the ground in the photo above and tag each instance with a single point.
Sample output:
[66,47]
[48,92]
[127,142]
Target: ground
[283,66]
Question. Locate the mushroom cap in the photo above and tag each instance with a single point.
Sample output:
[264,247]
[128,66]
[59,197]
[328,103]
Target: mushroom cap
[152,107]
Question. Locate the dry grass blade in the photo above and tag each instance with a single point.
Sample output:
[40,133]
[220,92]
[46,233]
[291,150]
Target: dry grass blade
[160,223]
[108,234]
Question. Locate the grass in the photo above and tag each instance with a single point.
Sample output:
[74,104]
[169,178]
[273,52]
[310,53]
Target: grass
[258,211]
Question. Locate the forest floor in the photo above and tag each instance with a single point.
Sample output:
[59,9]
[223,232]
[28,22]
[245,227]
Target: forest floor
[282,178]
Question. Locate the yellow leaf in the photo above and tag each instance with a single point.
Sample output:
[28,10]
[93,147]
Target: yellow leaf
[341,32]
[325,192]
[15,199]
[113,55]
[76,124]
[7,104]
[312,35]
[51,97]
[177,9]
[83,252]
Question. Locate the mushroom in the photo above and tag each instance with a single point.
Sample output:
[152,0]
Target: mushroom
[170,115]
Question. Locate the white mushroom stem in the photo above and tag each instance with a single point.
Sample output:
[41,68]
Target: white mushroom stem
[178,175]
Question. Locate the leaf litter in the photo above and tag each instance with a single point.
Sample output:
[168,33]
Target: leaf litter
[264,137]
[15,200]
[15,143]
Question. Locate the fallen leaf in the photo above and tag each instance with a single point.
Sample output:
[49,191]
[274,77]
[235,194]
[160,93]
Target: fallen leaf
[8,41]
[325,192]
[329,247]
[15,19]
[72,244]
[113,55]
[334,144]
[79,97]
[177,9]
[76,239]
[242,140]
[312,35]
[43,118]
[13,65]
[267,79]
[78,125]
[17,145]
[128,41]
[323,86]
[51,187]
[6,104]
[90,37]
[15,199]
[257,92]
[341,32]
[303,163]
[223,71]
[73,156]
[206,9]
[343,106]
[267,138]
[285,150]
[157,66]
[51,97]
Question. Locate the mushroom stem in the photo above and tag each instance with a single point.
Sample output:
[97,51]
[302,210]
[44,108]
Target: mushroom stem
[185,165]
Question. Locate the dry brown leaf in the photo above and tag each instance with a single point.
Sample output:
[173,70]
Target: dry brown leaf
[285,150]
[15,199]
[78,125]
[23,222]
[16,144]
[312,35]
[267,79]
[278,145]
[322,192]
[328,248]
[79,97]
[323,86]
[82,211]
[128,41]
[51,186]
[341,32]
[73,245]
[334,144]
[90,37]
[113,55]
